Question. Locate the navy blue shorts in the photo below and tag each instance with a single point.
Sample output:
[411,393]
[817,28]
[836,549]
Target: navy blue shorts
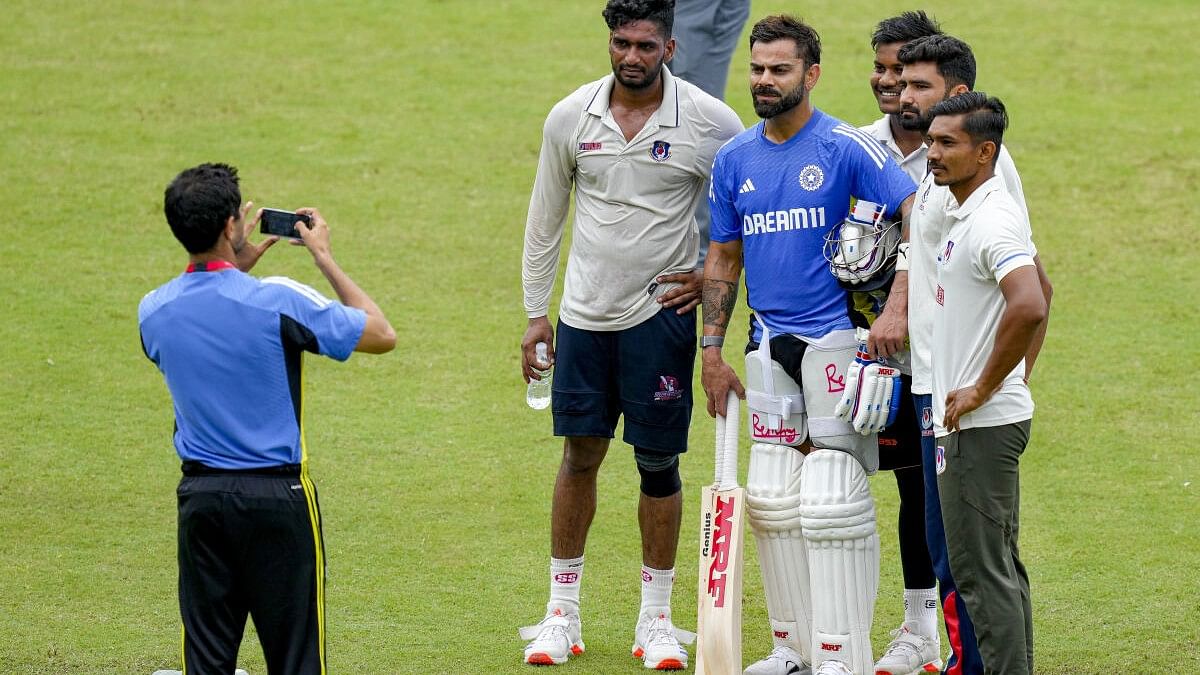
[643,373]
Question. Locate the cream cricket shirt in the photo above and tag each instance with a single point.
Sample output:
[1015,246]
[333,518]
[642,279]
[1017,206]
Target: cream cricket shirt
[913,164]
[926,227]
[635,202]
[987,237]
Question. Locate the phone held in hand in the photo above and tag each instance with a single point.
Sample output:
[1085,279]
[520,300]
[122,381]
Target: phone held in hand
[282,223]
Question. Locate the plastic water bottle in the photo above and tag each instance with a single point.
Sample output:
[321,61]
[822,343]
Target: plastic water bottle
[538,394]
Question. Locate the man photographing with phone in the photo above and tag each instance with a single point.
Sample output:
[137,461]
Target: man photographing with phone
[230,347]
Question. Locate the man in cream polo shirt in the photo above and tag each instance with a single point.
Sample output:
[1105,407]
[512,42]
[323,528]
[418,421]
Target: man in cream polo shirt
[989,307]
[637,147]
[934,69]
[915,645]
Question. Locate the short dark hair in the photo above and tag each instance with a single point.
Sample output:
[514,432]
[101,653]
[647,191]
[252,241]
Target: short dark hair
[199,202]
[905,27]
[617,13]
[954,58]
[986,119]
[785,27]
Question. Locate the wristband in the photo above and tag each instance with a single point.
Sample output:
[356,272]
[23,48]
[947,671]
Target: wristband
[902,257]
[712,341]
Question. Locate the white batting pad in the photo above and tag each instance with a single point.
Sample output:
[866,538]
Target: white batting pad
[773,504]
[838,519]
[774,400]
[823,376]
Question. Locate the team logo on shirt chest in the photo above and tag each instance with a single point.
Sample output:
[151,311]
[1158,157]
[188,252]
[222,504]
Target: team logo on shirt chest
[945,256]
[812,177]
[660,151]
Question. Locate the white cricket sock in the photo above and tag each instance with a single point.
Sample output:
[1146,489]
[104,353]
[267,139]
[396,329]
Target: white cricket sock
[656,590]
[920,611]
[565,577]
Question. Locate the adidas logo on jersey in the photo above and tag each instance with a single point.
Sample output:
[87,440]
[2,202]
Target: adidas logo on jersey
[746,187]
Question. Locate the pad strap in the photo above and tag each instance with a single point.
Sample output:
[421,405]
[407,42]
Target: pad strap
[781,406]
[774,419]
[824,427]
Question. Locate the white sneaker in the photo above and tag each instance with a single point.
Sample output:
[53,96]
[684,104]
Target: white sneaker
[554,639]
[656,642]
[910,653]
[832,668]
[782,660]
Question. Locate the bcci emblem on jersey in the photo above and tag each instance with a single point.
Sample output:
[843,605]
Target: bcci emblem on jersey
[811,177]
[661,151]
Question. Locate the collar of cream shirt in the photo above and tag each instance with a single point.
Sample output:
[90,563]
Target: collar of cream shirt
[975,200]
[668,110]
[881,130]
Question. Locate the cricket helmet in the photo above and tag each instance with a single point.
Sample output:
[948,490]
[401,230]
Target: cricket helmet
[862,251]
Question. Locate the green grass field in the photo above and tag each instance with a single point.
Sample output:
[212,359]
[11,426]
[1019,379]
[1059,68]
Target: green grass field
[415,127]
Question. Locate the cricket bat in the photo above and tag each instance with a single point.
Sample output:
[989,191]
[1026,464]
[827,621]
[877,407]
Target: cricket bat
[722,515]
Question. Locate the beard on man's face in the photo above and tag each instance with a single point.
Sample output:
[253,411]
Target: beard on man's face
[636,77]
[785,102]
[912,119]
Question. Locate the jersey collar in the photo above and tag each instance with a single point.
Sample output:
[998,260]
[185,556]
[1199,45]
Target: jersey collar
[975,199]
[209,266]
[667,114]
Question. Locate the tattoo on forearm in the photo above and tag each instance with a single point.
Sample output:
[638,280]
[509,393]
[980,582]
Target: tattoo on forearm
[720,297]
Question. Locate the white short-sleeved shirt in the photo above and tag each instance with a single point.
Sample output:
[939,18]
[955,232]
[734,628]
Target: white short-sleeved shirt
[913,163]
[926,227]
[635,202]
[986,238]
[870,304]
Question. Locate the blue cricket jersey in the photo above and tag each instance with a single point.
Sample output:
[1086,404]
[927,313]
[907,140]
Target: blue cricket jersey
[230,348]
[781,199]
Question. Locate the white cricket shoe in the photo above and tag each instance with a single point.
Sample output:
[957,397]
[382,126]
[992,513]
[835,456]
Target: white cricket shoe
[656,641]
[782,660]
[909,654]
[554,639]
[833,668]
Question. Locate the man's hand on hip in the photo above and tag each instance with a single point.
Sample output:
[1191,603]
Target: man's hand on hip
[687,295]
[960,402]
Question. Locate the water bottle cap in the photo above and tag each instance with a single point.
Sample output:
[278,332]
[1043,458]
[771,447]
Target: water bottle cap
[541,351]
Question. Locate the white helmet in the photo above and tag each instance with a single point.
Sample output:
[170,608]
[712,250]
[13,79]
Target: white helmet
[862,251]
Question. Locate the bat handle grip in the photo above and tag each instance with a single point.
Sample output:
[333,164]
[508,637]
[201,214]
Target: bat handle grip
[728,428]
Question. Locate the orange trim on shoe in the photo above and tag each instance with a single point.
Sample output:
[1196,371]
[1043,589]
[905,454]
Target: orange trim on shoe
[539,659]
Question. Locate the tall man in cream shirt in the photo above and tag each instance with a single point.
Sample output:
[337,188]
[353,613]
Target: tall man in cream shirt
[934,69]
[988,314]
[637,147]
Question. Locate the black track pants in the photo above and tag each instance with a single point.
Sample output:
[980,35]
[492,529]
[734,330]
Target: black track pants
[250,544]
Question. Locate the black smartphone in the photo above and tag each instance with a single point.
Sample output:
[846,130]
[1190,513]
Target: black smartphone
[282,223]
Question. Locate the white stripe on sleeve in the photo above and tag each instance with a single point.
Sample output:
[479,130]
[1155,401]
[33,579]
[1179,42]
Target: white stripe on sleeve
[874,150]
[306,291]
